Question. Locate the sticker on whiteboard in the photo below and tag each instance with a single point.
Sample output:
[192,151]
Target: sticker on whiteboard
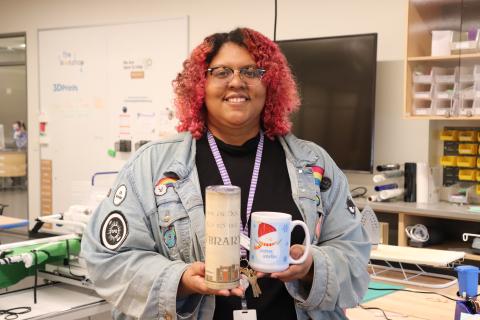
[114,230]
[120,195]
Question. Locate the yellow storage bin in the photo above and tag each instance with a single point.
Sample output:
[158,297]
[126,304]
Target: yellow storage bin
[467,174]
[468,148]
[478,162]
[467,135]
[450,161]
[450,135]
[467,162]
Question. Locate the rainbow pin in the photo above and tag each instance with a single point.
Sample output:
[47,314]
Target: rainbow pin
[318,174]
[162,185]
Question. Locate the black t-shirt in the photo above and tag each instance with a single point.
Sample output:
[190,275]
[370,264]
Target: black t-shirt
[273,193]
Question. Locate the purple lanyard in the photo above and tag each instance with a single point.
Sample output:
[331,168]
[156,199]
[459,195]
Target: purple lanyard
[226,178]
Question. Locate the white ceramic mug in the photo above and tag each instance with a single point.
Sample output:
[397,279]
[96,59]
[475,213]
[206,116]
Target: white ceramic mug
[269,243]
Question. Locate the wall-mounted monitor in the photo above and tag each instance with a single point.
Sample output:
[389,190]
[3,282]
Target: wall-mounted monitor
[336,79]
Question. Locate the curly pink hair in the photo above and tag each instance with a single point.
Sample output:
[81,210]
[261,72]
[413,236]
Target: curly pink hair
[282,95]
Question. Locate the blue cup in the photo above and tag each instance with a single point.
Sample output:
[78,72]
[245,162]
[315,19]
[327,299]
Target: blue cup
[467,280]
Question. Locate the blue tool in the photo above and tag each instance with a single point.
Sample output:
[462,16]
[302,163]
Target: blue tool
[468,290]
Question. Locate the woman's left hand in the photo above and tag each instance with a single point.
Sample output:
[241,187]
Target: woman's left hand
[303,271]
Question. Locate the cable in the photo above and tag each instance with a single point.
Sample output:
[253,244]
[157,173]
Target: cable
[13,313]
[36,277]
[406,290]
[374,308]
[425,292]
[361,193]
[68,262]
[35,270]
[275,23]
[417,233]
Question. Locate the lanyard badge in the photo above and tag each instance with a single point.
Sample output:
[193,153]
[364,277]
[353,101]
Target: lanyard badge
[245,313]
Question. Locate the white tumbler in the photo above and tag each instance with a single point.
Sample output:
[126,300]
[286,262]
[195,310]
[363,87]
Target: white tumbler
[222,237]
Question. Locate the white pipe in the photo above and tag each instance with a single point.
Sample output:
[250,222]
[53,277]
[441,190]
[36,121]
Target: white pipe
[392,193]
[38,241]
[54,216]
[47,219]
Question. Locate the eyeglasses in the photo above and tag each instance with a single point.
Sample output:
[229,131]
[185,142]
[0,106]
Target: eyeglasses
[10,314]
[251,75]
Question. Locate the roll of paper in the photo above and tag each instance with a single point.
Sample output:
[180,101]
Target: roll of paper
[392,193]
[379,178]
[387,175]
[422,182]
[410,182]
[386,187]
[388,167]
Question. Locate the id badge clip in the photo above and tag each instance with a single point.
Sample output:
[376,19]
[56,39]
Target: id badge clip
[245,314]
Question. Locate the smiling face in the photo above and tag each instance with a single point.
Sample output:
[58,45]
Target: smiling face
[233,106]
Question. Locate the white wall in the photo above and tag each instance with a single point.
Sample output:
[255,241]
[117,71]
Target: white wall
[396,140]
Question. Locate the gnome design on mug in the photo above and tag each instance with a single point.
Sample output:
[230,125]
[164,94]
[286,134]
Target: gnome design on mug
[267,236]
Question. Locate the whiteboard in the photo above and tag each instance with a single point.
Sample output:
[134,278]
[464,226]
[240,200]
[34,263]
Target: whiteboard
[99,85]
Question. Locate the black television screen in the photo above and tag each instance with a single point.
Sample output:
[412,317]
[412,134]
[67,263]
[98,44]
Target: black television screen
[336,79]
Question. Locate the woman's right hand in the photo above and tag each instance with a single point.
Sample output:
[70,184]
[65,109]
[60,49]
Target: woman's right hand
[193,281]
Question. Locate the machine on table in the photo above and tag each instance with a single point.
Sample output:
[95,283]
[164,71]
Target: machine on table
[54,258]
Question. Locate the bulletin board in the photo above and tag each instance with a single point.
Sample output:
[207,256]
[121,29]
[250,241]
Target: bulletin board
[99,85]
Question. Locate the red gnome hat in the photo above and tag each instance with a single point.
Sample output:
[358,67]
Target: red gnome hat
[264,228]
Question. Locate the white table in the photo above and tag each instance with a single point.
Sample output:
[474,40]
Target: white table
[55,302]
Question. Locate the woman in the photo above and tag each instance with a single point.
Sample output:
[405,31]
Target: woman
[19,134]
[145,245]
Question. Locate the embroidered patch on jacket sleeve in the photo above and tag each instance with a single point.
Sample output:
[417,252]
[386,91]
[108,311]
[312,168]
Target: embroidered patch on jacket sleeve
[114,230]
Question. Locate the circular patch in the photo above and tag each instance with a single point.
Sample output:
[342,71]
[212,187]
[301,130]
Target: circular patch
[120,195]
[170,237]
[160,189]
[114,230]
[351,206]
[325,184]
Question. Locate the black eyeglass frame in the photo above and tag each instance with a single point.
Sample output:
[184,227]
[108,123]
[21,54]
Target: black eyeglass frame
[259,72]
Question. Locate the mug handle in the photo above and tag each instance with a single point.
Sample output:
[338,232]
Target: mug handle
[306,242]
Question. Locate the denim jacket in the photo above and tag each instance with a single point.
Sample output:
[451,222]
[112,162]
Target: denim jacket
[143,236]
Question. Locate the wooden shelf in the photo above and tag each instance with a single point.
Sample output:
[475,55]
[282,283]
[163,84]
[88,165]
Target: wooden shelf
[445,58]
[409,213]
[458,246]
[425,16]
[434,117]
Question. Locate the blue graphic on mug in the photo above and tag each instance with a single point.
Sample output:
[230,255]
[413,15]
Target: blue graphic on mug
[271,243]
